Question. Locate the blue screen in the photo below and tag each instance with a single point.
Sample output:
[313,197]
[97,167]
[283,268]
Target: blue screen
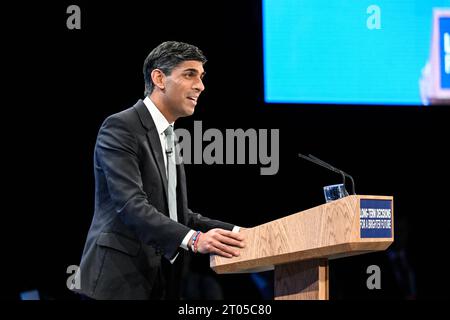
[346,51]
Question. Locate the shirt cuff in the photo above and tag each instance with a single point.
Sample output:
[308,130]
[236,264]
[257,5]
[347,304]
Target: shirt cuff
[185,242]
[173,260]
[236,229]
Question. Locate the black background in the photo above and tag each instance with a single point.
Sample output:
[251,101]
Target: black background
[62,83]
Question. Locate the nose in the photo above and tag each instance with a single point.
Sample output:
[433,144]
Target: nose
[199,86]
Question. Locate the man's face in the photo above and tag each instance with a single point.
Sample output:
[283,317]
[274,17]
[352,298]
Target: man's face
[183,87]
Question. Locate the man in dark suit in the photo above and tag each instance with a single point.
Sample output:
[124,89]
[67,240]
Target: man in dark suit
[142,225]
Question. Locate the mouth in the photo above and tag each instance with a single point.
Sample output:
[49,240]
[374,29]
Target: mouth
[193,99]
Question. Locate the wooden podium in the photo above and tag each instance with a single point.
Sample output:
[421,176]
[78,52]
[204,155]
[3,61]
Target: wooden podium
[298,246]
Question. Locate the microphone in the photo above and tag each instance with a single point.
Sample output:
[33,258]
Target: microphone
[322,163]
[169,151]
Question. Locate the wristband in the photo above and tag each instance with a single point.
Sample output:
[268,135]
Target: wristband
[194,238]
[196,242]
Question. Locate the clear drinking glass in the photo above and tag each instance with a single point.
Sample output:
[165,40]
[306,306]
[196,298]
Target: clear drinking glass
[334,192]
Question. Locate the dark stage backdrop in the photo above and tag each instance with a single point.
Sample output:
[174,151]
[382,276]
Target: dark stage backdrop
[63,83]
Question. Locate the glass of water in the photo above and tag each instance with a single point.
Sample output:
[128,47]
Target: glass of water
[334,192]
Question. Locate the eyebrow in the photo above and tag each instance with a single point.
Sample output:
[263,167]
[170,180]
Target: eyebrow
[195,71]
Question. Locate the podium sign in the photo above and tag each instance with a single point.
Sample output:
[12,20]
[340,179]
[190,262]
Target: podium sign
[375,218]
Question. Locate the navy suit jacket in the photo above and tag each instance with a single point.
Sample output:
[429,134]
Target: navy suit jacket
[131,230]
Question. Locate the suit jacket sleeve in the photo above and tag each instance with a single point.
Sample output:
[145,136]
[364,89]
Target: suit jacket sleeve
[117,154]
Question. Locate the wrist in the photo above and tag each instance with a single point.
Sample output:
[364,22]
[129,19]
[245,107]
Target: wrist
[194,241]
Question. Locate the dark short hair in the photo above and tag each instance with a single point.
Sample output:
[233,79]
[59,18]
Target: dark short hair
[166,57]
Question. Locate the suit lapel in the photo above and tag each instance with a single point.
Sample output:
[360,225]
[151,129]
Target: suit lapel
[153,137]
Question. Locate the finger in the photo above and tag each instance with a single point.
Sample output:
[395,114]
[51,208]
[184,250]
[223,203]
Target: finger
[230,241]
[230,234]
[223,248]
[222,253]
[212,245]
[217,250]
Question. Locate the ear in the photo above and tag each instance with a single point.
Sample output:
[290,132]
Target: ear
[158,78]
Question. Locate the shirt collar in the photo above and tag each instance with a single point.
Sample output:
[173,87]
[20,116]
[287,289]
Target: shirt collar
[161,122]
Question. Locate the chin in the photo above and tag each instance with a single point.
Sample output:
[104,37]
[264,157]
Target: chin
[189,111]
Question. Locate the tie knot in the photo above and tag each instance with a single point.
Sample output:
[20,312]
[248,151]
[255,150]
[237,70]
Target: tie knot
[169,131]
